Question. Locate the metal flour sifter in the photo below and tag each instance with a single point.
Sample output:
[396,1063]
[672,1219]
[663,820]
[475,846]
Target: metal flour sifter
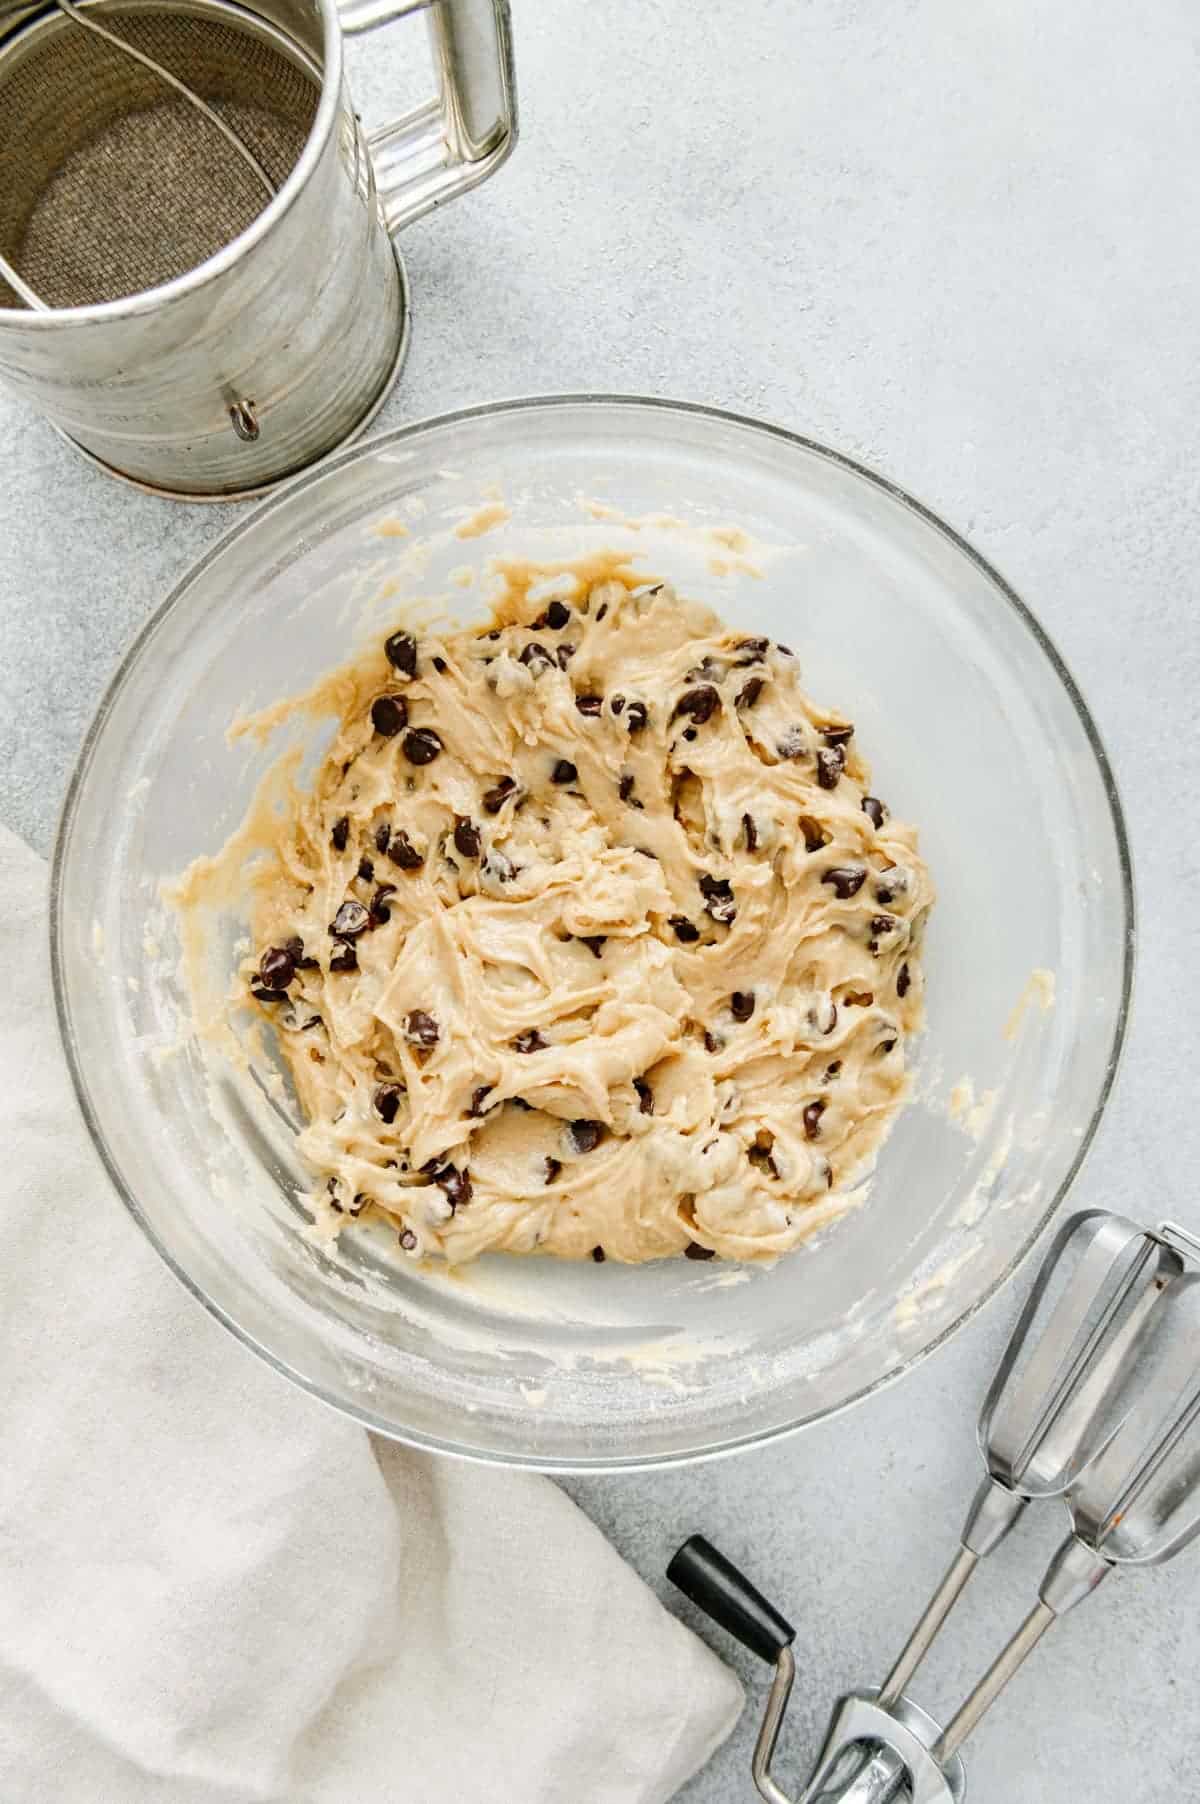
[1097,1402]
[198,283]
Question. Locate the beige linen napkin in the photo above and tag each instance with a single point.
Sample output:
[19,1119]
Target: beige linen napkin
[215,1591]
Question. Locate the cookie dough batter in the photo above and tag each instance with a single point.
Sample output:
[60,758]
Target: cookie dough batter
[590,937]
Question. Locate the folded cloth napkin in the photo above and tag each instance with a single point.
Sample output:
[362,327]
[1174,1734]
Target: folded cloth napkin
[215,1591]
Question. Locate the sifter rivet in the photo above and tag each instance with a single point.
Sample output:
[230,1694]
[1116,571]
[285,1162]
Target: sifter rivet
[245,421]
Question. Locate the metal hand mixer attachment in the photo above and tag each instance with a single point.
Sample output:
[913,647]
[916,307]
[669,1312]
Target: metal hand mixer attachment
[1096,1401]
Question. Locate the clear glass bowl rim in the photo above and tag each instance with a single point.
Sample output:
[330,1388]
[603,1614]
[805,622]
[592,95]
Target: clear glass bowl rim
[516,406]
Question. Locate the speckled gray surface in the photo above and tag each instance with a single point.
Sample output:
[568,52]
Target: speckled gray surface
[959,243]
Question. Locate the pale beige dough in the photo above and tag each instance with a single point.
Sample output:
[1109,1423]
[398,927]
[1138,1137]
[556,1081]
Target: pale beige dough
[733,1136]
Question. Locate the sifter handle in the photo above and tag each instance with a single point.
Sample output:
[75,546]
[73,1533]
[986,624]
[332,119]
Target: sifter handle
[725,1594]
[463,134]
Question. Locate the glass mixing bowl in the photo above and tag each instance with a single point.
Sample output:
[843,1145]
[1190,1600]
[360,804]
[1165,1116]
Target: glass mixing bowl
[976,733]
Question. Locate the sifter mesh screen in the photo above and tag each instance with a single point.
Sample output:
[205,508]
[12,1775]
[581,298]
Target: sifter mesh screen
[112,183]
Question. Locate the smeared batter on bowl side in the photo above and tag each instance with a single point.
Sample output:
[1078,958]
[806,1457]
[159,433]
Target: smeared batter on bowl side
[590,938]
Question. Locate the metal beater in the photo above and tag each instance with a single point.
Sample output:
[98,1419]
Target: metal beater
[1097,1401]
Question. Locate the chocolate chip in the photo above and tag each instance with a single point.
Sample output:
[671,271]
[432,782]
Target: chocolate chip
[874,810]
[261,993]
[845,880]
[602,610]
[361,1199]
[754,648]
[383,834]
[421,1028]
[529,1041]
[698,704]
[832,1070]
[812,1118]
[741,1005]
[401,851]
[456,1184]
[637,719]
[345,958]
[689,734]
[552,1169]
[277,968]
[785,649]
[340,834]
[586,1135]
[760,1153]
[903,981]
[518,1102]
[645,1096]
[618,702]
[479,1097]
[886,892]
[380,912]
[389,713]
[422,745]
[594,942]
[839,735]
[387,1101]
[536,657]
[884,1047]
[467,839]
[718,898]
[564,654]
[557,615]
[814,833]
[597,1253]
[714,886]
[440,665]
[401,652]
[793,744]
[408,1240]
[366,870]
[350,920]
[495,798]
[625,787]
[564,771]
[822,1016]
[685,930]
[750,694]
[693,1250]
[711,1042]
[589,704]
[831,762]
[750,832]
[295,951]
[497,864]
[879,926]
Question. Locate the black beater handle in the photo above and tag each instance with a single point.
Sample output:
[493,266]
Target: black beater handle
[726,1595]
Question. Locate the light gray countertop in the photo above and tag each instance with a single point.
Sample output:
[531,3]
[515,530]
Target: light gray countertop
[960,244]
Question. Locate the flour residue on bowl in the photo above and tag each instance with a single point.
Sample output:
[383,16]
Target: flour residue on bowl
[729,550]
[1040,990]
[485,519]
[973,1114]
